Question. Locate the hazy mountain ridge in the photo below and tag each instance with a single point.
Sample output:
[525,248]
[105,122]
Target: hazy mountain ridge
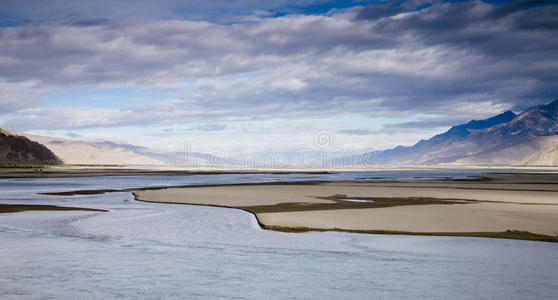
[99,152]
[504,139]
[17,149]
[108,152]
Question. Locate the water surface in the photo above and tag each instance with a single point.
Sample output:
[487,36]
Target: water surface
[145,250]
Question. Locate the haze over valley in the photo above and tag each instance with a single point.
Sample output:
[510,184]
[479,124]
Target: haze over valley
[529,138]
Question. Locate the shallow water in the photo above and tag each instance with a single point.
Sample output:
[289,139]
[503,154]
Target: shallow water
[145,250]
[357,200]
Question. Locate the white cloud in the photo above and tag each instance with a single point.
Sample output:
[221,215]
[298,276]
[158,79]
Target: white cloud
[465,59]
[19,95]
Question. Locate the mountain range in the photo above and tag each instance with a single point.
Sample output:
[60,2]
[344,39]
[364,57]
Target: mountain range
[103,152]
[530,138]
[100,152]
[527,139]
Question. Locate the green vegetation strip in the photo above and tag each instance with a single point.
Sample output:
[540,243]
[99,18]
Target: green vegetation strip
[12,208]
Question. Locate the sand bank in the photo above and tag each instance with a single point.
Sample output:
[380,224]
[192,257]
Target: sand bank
[493,207]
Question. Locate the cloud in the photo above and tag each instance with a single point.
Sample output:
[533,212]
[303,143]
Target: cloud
[209,127]
[390,9]
[360,131]
[73,135]
[15,96]
[422,124]
[446,60]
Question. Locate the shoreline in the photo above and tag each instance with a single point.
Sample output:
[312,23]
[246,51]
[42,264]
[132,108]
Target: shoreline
[63,172]
[54,171]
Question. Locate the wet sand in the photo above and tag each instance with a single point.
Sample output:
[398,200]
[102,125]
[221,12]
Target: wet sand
[522,206]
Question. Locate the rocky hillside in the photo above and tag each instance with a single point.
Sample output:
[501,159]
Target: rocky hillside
[16,149]
[537,151]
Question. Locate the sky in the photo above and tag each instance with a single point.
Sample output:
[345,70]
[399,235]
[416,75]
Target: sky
[255,75]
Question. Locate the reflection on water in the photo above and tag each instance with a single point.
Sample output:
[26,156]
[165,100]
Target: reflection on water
[357,200]
[177,251]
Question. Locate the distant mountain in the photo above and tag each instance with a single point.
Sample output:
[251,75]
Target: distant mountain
[108,152]
[99,152]
[504,139]
[441,146]
[16,149]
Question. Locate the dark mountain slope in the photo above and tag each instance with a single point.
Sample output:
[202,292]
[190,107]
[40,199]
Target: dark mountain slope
[15,149]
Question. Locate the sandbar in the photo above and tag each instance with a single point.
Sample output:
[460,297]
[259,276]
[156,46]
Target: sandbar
[522,206]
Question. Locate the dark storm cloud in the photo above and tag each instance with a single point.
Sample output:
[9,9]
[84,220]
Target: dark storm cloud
[493,29]
[466,59]
[537,19]
[515,42]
